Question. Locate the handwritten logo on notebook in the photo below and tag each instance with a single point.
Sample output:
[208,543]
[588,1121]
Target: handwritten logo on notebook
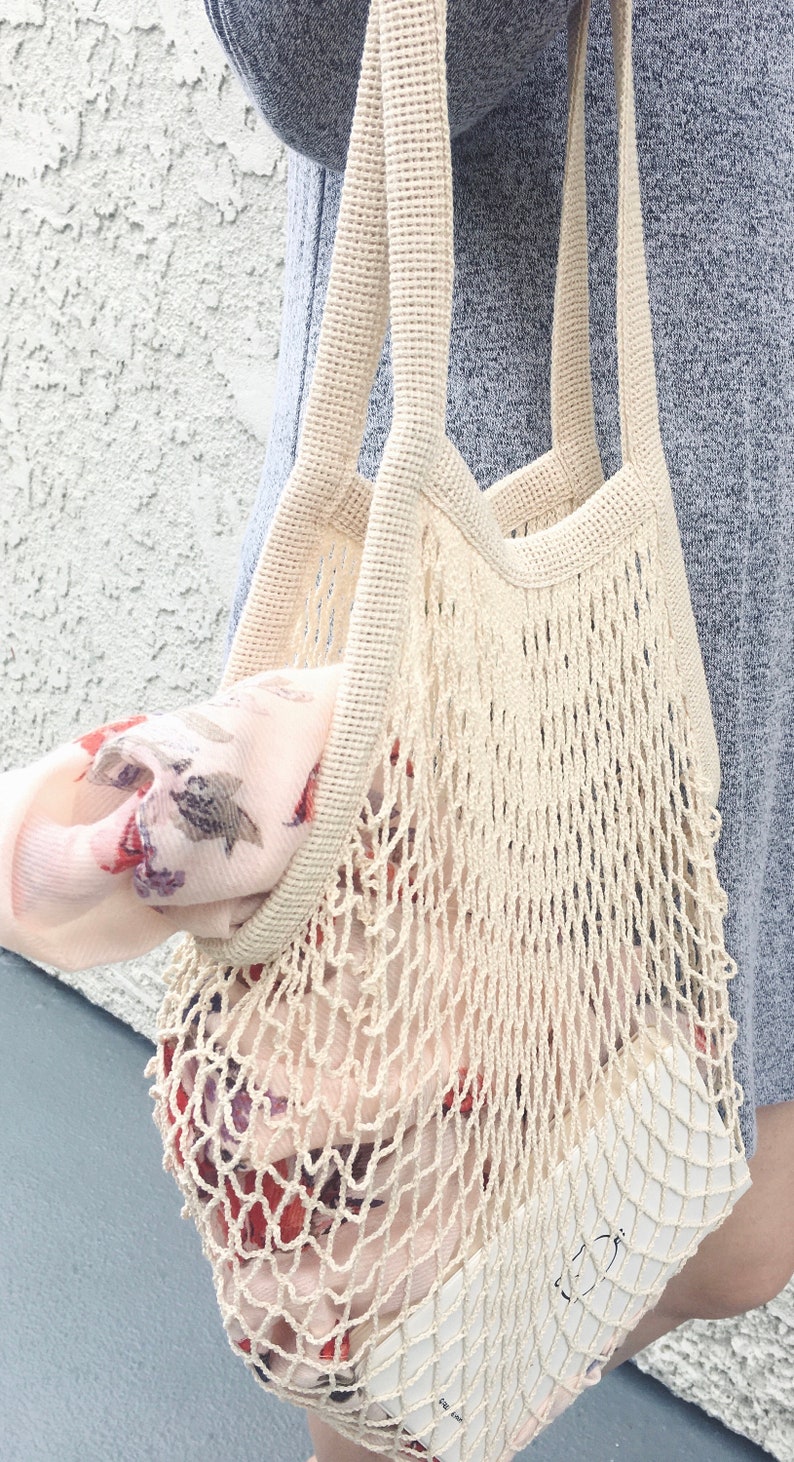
[592,1260]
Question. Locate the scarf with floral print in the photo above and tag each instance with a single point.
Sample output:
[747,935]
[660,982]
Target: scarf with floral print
[153,824]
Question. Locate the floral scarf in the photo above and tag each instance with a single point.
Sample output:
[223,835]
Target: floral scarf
[153,824]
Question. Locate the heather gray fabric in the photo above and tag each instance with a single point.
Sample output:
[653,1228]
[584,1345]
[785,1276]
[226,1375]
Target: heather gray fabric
[714,109]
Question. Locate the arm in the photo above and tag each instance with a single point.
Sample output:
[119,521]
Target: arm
[299,60]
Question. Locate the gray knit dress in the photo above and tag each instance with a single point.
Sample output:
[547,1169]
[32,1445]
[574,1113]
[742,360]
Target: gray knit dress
[714,104]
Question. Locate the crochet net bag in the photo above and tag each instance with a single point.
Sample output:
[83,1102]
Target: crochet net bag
[454,1103]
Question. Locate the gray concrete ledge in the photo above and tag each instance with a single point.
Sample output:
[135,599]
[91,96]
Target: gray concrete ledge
[111,1346]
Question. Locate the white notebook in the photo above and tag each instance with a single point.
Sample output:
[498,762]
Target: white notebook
[587,1281]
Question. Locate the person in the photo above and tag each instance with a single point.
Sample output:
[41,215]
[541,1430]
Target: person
[712,92]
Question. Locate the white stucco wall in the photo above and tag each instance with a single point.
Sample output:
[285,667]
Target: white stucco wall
[741,1371]
[141,229]
[140,267]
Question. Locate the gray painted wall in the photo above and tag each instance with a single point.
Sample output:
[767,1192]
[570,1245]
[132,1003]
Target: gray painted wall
[142,222]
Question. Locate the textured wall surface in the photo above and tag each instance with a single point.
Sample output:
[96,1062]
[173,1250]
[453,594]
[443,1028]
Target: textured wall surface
[140,278]
[739,1370]
[141,220]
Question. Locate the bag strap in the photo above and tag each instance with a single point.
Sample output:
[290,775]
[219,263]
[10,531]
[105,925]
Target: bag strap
[393,236]
[356,306]
[641,442]
[418,181]
[417,251]
[351,335]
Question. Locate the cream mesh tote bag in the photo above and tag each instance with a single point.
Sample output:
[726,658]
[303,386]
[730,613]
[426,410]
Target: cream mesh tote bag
[456,1101]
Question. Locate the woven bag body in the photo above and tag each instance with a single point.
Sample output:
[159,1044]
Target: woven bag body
[457,1100]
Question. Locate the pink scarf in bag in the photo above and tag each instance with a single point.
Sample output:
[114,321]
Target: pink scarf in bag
[161,823]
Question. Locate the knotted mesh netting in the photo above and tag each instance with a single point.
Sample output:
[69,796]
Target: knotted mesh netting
[485,1094]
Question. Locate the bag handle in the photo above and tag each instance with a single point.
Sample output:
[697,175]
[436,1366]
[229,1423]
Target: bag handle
[357,299]
[377,196]
[324,472]
[641,442]
[356,307]
[418,181]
